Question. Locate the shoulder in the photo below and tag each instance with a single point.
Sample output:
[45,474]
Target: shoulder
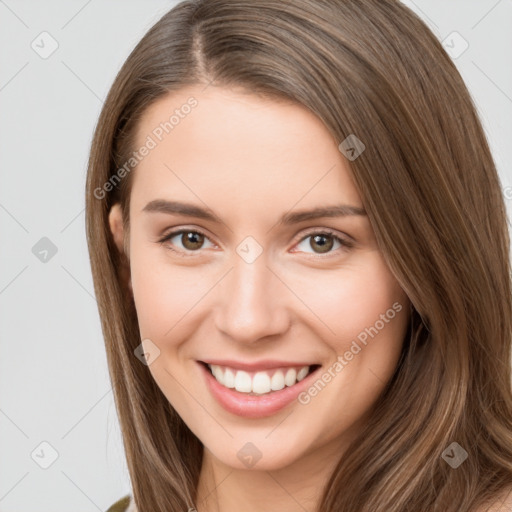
[125,504]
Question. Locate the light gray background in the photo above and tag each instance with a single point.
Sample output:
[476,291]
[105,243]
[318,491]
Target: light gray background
[54,384]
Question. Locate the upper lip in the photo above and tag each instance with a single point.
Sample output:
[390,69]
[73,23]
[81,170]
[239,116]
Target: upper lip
[256,366]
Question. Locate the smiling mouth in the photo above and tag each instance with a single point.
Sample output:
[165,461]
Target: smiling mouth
[261,382]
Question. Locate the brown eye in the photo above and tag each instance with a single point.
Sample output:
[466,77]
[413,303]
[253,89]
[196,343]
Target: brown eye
[192,240]
[321,243]
[186,241]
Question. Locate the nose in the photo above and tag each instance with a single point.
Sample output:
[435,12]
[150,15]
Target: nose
[252,302]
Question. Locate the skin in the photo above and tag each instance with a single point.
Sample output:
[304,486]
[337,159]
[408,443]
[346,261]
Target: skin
[250,160]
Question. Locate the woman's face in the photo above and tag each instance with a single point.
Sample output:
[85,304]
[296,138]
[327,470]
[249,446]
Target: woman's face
[254,278]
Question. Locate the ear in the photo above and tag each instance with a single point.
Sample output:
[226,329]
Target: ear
[115,220]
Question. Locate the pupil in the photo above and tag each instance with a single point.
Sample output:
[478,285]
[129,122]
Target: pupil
[324,247]
[192,240]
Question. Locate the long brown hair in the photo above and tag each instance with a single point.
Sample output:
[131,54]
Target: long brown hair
[430,187]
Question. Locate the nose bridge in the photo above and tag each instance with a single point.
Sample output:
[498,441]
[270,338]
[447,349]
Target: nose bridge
[251,304]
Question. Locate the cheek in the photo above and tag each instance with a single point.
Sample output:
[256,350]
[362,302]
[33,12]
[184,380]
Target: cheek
[164,293]
[355,302]
[363,316]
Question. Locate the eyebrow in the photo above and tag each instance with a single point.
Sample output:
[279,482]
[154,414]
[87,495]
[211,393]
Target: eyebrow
[191,210]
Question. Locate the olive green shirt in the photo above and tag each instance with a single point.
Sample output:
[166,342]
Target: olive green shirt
[121,505]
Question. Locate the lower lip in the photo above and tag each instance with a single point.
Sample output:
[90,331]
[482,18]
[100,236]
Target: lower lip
[254,406]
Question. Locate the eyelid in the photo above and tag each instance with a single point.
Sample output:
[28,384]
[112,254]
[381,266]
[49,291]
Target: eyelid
[325,231]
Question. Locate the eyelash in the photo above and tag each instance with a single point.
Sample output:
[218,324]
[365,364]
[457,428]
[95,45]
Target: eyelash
[344,243]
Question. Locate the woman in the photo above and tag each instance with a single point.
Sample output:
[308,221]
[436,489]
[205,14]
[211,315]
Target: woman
[300,252]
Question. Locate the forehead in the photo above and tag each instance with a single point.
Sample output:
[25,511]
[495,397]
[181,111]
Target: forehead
[244,148]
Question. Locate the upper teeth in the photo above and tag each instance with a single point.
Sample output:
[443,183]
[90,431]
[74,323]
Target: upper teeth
[258,382]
